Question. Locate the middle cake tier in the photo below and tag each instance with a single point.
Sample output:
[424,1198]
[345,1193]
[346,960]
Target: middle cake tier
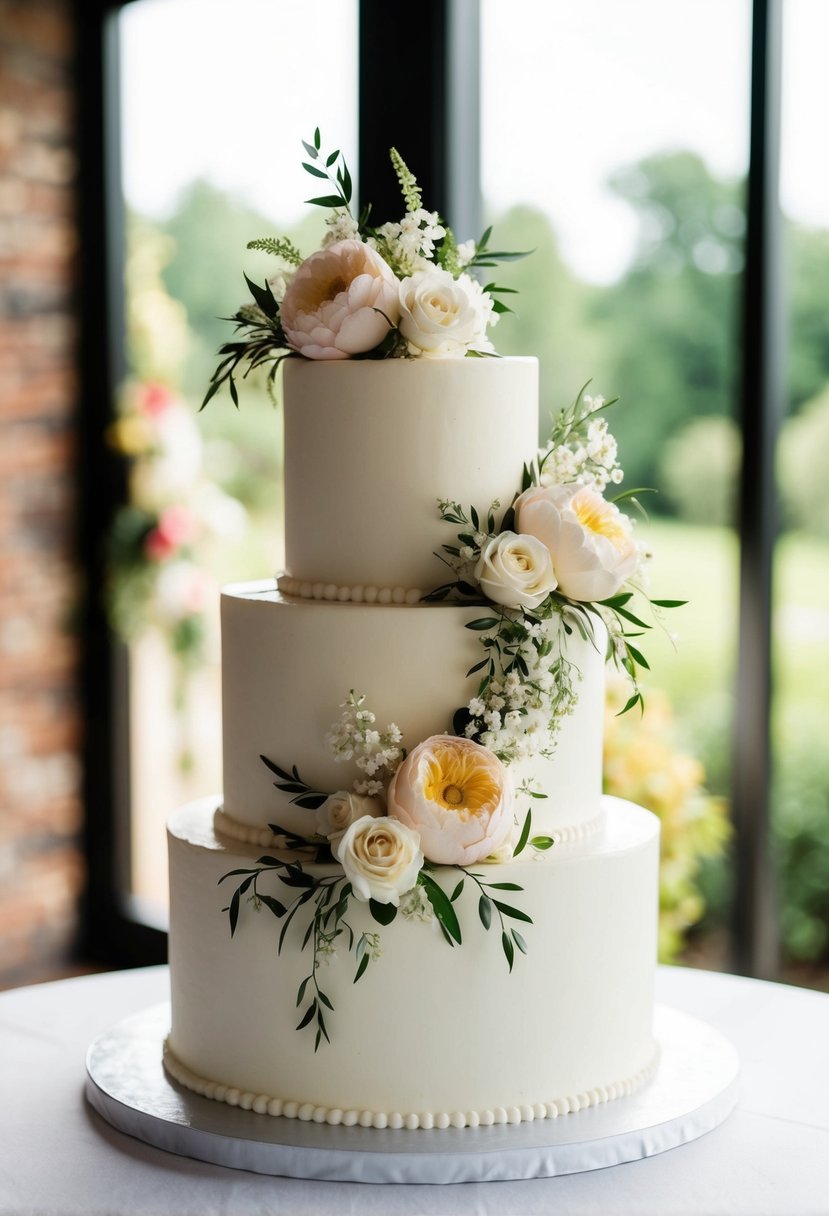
[289,664]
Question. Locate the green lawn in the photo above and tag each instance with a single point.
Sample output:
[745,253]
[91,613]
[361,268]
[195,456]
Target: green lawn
[701,565]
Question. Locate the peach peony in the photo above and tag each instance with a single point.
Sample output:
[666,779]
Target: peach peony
[457,795]
[589,539]
[340,302]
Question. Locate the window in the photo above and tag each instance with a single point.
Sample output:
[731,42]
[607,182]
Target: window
[616,140]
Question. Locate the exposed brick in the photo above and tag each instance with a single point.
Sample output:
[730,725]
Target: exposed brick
[41,871]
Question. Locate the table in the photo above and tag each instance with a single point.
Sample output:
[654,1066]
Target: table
[771,1158]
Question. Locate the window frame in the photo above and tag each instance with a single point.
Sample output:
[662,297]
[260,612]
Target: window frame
[441,136]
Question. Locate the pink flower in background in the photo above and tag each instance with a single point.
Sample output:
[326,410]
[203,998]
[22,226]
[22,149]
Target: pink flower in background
[340,302]
[175,527]
[154,399]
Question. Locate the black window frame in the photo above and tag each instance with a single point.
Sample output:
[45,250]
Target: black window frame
[440,68]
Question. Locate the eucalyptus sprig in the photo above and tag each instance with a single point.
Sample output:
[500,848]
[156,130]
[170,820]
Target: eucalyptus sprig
[340,181]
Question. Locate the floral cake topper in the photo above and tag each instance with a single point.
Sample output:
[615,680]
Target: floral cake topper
[403,289]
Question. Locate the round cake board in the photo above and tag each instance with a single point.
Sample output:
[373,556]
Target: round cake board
[694,1089]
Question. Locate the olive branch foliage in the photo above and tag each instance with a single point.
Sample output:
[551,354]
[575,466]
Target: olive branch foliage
[326,899]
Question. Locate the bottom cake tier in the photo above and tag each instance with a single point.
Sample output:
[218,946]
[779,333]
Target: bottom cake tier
[431,1035]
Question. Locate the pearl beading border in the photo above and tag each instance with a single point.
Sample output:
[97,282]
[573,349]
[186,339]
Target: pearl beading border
[309,1112]
[246,833]
[336,593]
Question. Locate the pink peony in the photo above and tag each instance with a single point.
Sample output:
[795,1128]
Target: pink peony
[175,528]
[589,539]
[457,795]
[340,302]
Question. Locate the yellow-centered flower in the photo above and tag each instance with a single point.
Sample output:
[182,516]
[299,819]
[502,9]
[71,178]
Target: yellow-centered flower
[456,780]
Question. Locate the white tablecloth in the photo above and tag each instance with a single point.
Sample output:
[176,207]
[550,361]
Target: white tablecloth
[771,1157]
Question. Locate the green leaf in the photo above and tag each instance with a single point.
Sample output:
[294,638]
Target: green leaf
[310,149]
[483,623]
[315,171]
[234,911]
[441,906]
[232,874]
[513,913]
[636,699]
[504,886]
[477,667]
[273,905]
[525,835]
[638,656]
[634,620]
[669,603]
[542,842]
[310,801]
[485,910]
[309,1013]
[326,200]
[384,914]
[333,156]
[519,941]
[264,298]
[325,1001]
[317,138]
[361,970]
[457,891]
[508,948]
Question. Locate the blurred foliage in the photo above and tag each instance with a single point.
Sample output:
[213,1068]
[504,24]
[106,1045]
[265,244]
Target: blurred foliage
[644,763]
[700,467]
[804,464]
[801,821]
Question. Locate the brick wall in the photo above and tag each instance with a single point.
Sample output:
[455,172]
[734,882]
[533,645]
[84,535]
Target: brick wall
[40,813]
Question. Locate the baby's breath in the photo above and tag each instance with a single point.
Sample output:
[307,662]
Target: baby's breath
[376,753]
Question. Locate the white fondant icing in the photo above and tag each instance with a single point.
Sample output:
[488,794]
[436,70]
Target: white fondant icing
[412,1121]
[428,1029]
[363,511]
[287,665]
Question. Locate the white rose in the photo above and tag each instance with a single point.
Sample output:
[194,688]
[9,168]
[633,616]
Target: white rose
[444,317]
[590,540]
[381,858]
[516,571]
[341,809]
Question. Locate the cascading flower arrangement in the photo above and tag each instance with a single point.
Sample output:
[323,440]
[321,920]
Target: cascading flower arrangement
[405,289]
[562,558]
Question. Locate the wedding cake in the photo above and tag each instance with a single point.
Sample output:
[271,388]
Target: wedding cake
[413,907]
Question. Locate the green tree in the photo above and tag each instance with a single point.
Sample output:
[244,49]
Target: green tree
[669,325]
[210,230]
[550,310]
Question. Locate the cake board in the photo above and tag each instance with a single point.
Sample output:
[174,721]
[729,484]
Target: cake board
[693,1091]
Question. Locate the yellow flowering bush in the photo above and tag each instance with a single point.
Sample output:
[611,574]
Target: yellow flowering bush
[643,762]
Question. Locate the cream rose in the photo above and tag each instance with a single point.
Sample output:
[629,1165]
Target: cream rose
[340,302]
[341,809]
[444,317]
[457,795]
[381,858]
[589,539]
[516,571]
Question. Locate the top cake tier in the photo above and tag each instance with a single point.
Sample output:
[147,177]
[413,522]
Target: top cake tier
[370,447]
